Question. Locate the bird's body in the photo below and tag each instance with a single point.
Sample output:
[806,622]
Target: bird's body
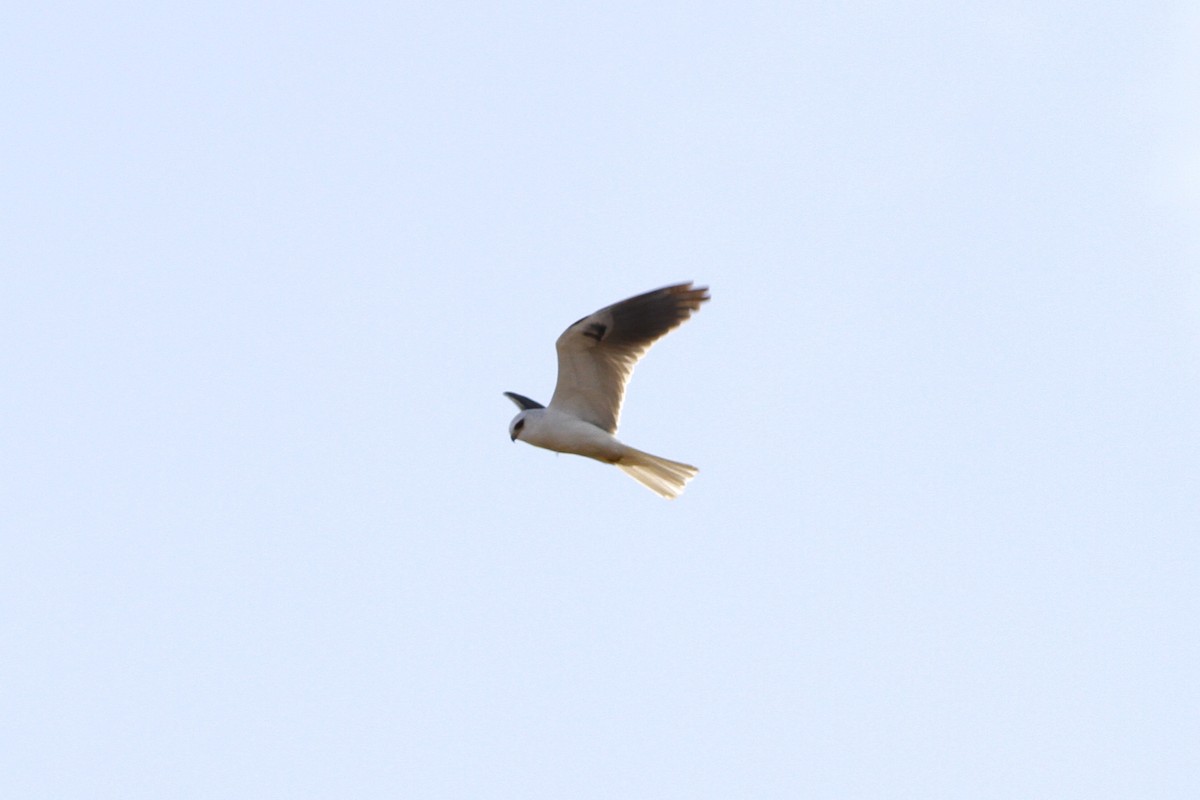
[564,433]
[596,356]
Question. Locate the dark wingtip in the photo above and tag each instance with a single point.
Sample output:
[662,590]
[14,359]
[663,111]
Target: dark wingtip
[523,402]
[692,293]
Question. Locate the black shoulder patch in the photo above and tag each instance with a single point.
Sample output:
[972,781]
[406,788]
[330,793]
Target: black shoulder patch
[596,331]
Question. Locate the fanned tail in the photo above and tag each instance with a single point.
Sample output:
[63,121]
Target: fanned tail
[660,475]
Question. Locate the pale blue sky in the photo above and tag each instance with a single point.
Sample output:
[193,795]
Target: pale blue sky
[270,267]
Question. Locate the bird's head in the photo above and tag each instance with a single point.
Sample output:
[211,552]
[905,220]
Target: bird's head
[526,405]
[516,426]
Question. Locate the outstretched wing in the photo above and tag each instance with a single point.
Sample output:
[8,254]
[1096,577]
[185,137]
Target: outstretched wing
[596,355]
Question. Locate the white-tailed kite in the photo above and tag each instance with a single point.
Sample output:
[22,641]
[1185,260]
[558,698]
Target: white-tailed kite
[595,359]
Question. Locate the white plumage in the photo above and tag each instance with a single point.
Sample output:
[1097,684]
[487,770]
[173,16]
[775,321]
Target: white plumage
[596,356]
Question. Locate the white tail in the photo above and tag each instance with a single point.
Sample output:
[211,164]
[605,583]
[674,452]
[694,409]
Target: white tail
[660,475]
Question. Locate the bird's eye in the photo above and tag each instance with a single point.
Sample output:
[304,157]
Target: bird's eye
[520,424]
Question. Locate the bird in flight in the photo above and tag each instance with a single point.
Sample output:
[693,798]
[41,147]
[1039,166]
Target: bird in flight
[596,356]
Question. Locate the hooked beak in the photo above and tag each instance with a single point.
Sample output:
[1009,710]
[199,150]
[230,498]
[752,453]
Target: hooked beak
[513,437]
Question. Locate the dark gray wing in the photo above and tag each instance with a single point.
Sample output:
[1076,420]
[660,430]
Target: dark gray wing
[523,402]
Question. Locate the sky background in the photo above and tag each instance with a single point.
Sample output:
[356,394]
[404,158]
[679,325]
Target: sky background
[269,267]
